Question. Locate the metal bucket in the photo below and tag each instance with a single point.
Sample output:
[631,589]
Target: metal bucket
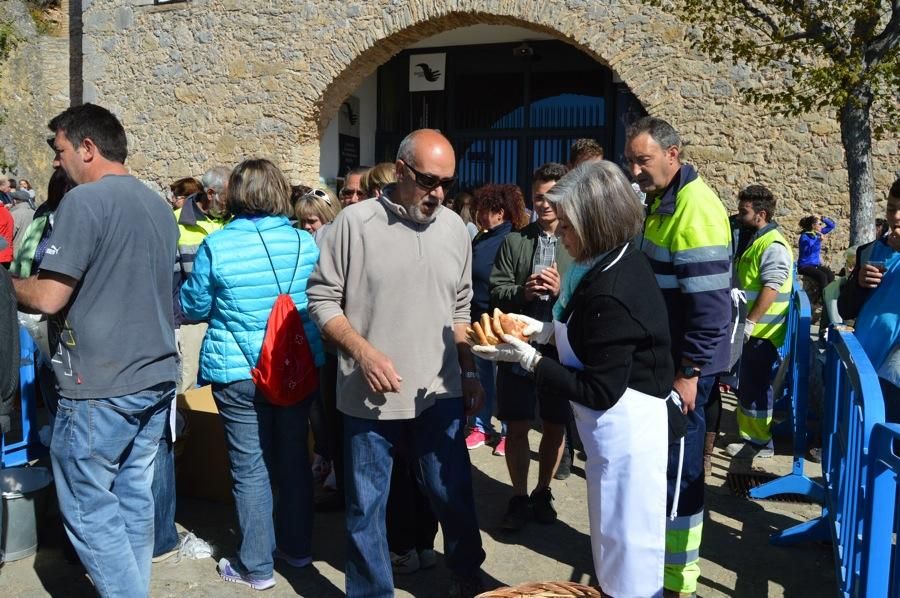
[22,489]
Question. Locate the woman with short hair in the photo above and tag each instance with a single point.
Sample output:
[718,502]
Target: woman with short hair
[181,189]
[611,331]
[238,273]
[315,210]
[378,177]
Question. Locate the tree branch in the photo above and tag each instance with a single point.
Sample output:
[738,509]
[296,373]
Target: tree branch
[885,41]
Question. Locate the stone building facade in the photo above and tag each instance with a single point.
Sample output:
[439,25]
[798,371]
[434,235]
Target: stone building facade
[203,82]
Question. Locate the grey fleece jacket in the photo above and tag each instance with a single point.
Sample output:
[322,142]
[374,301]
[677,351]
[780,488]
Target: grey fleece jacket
[402,286]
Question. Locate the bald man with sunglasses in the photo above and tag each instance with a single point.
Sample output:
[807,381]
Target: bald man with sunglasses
[392,291]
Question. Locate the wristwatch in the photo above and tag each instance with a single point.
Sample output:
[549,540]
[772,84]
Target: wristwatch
[470,375]
[689,371]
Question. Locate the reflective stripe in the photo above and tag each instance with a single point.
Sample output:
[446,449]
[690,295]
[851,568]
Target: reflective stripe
[684,522]
[712,253]
[655,252]
[667,281]
[772,318]
[683,558]
[702,284]
[757,430]
[779,298]
[757,413]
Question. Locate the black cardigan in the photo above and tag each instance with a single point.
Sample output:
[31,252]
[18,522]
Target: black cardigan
[619,330]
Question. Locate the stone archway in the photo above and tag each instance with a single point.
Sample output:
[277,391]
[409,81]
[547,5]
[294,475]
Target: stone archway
[367,60]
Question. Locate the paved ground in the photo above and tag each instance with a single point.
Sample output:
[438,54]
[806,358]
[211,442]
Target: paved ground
[737,559]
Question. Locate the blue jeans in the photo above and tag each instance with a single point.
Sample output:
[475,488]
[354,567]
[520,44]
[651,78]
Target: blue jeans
[437,452]
[165,535]
[266,447]
[487,374]
[103,452]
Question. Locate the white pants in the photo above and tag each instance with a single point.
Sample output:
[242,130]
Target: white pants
[627,447]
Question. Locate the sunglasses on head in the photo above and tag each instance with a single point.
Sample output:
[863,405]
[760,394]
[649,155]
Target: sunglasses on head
[430,182]
[318,193]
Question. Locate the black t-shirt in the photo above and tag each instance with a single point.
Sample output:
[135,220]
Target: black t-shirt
[116,337]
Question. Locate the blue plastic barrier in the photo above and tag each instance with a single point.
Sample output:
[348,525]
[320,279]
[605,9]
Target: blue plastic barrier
[879,567]
[29,447]
[796,351]
[853,406]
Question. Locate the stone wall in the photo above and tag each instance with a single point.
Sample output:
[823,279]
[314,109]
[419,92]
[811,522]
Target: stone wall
[212,81]
[35,87]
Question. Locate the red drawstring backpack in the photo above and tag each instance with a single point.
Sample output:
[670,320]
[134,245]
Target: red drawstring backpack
[286,371]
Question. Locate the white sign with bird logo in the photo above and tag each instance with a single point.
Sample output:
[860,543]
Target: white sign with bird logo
[427,71]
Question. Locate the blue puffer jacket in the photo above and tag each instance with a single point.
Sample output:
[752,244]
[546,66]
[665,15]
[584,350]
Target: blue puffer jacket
[233,288]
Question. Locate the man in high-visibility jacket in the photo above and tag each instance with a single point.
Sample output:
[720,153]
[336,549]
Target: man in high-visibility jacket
[764,275]
[687,238]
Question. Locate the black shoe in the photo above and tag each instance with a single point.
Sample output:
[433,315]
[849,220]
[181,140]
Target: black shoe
[565,467]
[517,514]
[542,505]
[465,587]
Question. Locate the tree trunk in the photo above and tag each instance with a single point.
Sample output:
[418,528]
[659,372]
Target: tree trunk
[856,137]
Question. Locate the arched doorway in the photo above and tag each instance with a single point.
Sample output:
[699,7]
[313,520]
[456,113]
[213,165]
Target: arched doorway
[509,98]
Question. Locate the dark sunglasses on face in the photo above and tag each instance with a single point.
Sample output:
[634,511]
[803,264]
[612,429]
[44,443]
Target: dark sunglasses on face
[430,182]
[347,192]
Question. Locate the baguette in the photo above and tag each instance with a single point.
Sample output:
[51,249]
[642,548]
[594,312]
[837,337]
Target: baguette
[480,337]
[488,330]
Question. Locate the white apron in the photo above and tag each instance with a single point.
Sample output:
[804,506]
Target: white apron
[627,453]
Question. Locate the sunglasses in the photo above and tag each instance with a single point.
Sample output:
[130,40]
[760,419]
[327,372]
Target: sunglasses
[345,192]
[318,193]
[430,182]
[51,141]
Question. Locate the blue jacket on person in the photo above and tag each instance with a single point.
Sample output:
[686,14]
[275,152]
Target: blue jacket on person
[810,244]
[233,288]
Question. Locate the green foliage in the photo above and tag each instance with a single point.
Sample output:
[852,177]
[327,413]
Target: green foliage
[7,39]
[830,53]
[45,14]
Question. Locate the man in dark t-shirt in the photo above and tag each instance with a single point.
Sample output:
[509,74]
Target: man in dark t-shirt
[106,282]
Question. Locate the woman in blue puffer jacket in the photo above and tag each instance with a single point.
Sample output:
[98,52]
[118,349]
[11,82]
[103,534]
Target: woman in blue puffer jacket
[233,287]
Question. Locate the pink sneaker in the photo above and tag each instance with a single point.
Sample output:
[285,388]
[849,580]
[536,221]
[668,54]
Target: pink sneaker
[475,439]
[500,449]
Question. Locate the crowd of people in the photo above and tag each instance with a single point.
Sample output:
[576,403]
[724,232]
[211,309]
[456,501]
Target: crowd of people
[634,290]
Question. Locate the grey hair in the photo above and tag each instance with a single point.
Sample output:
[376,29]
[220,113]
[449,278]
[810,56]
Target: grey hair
[599,203]
[215,178]
[661,131]
[407,149]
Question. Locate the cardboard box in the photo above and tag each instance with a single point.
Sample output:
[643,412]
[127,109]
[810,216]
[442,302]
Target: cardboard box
[201,468]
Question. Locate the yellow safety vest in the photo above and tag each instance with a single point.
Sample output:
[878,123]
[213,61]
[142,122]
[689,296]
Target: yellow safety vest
[773,324]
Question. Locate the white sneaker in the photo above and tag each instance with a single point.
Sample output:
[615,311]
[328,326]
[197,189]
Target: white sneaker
[405,563]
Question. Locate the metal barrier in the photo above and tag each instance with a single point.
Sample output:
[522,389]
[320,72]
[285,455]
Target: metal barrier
[796,356]
[29,447]
[880,524]
[853,406]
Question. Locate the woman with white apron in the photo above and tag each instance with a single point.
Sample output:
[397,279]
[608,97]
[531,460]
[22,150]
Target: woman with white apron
[611,331]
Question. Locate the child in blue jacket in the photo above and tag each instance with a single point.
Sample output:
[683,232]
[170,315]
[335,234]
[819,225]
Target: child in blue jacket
[810,262]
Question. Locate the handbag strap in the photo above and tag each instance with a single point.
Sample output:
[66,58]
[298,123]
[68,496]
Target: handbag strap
[278,284]
[272,264]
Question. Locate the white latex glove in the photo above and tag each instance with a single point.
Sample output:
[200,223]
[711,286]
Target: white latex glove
[749,325]
[512,350]
[536,331]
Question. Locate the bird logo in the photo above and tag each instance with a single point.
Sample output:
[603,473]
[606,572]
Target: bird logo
[427,72]
[351,116]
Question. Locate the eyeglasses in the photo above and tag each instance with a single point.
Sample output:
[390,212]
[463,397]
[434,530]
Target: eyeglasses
[348,192]
[51,141]
[430,182]
[321,195]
